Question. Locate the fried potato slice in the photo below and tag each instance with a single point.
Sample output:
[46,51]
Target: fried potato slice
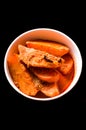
[53,48]
[65,81]
[67,66]
[21,76]
[46,74]
[51,89]
[37,58]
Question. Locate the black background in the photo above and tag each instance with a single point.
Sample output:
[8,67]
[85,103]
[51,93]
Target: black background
[17,19]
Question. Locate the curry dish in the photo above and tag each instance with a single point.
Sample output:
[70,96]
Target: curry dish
[41,68]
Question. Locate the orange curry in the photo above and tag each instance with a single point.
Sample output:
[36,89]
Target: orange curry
[42,68]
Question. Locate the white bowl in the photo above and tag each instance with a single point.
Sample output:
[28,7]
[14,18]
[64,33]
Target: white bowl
[46,34]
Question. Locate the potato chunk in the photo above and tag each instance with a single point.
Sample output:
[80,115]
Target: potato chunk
[21,76]
[53,48]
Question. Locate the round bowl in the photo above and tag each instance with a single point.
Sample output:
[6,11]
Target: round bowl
[45,34]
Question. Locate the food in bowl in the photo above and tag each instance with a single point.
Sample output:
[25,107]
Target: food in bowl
[41,68]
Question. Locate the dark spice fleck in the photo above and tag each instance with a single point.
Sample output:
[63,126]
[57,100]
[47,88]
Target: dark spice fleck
[48,60]
[59,60]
